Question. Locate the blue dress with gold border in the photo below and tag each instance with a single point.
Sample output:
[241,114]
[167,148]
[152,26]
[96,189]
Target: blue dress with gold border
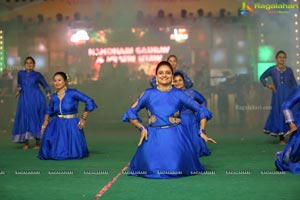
[284,82]
[168,152]
[62,138]
[289,158]
[31,106]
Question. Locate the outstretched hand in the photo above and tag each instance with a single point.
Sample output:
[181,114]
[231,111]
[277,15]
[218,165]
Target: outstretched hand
[144,136]
[207,139]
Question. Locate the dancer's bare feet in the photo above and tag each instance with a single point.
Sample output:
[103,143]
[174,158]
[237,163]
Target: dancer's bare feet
[36,147]
[282,142]
[25,147]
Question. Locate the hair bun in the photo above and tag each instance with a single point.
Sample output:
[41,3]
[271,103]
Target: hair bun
[68,77]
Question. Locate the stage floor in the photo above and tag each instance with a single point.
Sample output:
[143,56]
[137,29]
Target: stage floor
[241,166]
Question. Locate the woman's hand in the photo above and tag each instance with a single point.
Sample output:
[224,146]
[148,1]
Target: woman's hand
[207,139]
[293,128]
[45,124]
[271,87]
[48,96]
[18,93]
[81,123]
[144,136]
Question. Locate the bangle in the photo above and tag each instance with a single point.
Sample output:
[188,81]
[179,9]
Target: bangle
[83,117]
[142,128]
[202,131]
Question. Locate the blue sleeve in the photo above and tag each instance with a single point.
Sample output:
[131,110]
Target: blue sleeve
[294,83]
[199,98]
[263,77]
[289,103]
[200,111]
[132,112]
[44,83]
[19,80]
[50,108]
[90,105]
[153,82]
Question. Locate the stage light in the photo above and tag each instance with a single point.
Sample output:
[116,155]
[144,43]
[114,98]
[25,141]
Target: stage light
[179,35]
[241,44]
[80,36]
[262,67]
[2,52]
[265,53]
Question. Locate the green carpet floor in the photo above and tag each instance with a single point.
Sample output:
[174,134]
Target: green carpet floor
[241,167]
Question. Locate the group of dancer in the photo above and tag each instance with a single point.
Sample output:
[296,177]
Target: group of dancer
[174,138]
[283,119]
[58,124]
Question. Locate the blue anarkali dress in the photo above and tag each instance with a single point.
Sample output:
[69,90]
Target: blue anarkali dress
[285,83]
[168,152]
[192,125]
[62,138]
[289,158]
[31,106]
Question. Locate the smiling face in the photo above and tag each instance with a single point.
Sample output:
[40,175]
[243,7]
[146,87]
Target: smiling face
[29,64]
[164,75]
[59,82]
[178,82]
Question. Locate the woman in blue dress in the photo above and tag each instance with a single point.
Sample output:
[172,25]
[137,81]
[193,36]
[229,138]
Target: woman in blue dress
[63,136]
[172,59]
[284,83]
[188,118]
[289,158]
[165,149]
[31,106]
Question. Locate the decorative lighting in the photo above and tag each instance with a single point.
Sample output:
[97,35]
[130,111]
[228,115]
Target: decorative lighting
[179,35]
[2,54]
[80,36]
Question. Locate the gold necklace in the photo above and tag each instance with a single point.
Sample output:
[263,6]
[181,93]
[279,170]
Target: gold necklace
[281,68]
[164,89]
[62,93]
